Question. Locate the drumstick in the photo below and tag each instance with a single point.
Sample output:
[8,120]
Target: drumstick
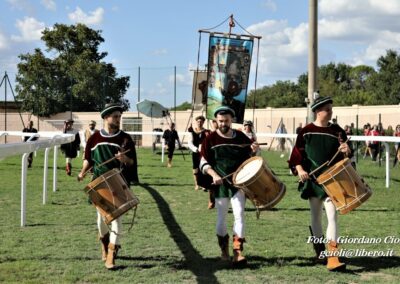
[109,160]
[245,145]
[225,177]
[338,151]
[317,169]
[327,163]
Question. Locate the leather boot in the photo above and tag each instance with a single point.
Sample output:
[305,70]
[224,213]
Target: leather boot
[319,248]
[117,248]
[333,260]
[68,168]
[105,240]
[211,199]
[169,164]
[223,243]
[238,258]
[196,186]
[110,261]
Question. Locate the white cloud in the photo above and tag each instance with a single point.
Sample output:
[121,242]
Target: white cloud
[372,24]
[283,49]
[387,40]
[3,41]
[20,5]
[30,29]
[49,4]
[180,79]
[354,32]
[270,5]
[161,51]
[359,8]
[93,18]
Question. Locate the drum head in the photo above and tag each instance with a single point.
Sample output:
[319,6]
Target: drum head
[247,171]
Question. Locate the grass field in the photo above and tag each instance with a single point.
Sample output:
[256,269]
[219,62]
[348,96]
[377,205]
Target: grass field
[173,238]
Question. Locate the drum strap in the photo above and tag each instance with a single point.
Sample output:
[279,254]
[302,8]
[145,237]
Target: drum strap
[130,226]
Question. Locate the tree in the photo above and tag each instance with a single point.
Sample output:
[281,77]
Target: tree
[280,94]
[183,106]
[385,83]
[72,77]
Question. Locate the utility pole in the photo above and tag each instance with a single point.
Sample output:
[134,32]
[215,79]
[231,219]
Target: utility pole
[138,88]
[312,56]
[175,94]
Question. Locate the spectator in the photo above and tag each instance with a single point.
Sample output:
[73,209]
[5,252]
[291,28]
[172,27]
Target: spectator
[90,130]
[367,130]
[282,141]
[170,136]
[397,145]
[214,125]
[299,128]
[389,131]
[70,150]
[30,129]
[374,145]
[248,130]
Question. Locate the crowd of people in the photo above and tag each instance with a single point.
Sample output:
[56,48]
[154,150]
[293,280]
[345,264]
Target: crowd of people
[373,148]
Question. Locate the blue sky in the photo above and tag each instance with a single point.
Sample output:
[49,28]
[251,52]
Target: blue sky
[158,35]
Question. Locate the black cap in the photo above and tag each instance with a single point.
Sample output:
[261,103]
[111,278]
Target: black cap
[248,122]
[110,108]
[200,117]
[224,110]
[319,102]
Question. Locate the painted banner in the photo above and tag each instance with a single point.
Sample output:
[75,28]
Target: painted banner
[199,90]
[229,62]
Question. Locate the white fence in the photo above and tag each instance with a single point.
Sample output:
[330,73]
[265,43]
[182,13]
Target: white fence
[52,140]
[49,140]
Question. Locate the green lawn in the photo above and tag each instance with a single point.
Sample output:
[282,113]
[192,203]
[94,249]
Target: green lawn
[173,238]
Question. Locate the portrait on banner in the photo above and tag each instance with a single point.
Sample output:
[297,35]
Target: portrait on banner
[229,61]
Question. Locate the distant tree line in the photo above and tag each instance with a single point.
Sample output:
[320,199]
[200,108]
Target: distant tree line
[346,84]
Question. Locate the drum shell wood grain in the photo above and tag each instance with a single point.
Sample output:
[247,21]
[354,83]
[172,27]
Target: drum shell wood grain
[344,186]
[264,189]
[111,195]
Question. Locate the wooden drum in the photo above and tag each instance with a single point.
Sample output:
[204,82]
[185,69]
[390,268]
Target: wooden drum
[111,195]
[344,186]
[259,184]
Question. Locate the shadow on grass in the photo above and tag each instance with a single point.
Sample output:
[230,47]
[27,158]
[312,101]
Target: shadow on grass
[373,264]
[203,268]
[361,264]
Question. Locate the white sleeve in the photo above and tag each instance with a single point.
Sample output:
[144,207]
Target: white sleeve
[204,165]
[191,145]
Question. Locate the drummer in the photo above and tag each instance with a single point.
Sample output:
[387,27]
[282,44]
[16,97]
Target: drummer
[317,143]
[103,145]
[222,152]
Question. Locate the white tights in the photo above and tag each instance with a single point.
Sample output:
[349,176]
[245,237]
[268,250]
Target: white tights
[331,215]
[238,205]
[116,228]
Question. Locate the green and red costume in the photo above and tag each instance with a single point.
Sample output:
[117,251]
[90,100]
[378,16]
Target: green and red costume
[314,146]
[102,146]
[225,155]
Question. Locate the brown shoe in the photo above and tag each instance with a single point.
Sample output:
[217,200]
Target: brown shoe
[238,259]
[110,261]
[319,248]
[105,240]
[223,243]
[333,260]
[68,169]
